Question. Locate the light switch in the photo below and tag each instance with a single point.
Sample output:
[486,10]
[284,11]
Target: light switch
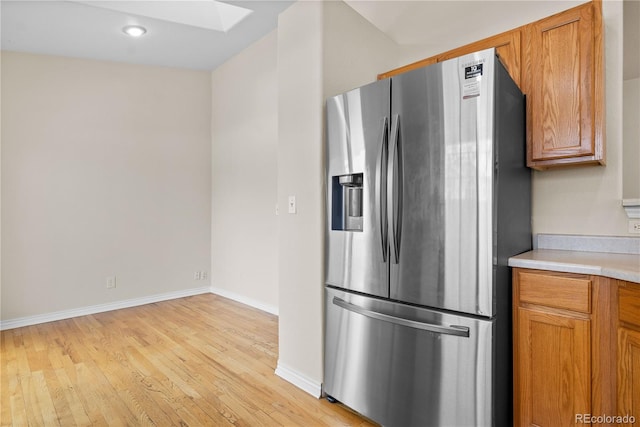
[292,204]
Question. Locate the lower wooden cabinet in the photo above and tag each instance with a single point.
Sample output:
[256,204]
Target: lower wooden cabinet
[563,364]
[628,357]
[554,368]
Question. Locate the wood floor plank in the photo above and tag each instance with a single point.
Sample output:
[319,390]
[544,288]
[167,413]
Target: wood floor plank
[73,402]
[197,361]
[45,398]
[8,376]
[18,416]
[33,412]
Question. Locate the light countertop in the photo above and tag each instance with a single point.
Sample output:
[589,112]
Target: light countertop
[614,265]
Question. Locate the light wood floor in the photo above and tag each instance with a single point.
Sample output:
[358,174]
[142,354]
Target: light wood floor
[197,361]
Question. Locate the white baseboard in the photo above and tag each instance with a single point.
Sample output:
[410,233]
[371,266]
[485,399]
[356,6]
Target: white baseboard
[244,300]
[299,380]
[93,309]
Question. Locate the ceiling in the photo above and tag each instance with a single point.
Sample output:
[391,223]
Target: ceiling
[93,29]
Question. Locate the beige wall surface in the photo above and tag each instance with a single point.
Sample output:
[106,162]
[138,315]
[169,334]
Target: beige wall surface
[354,51]
[631,136]
[0,189]
[300,127]
[105,172]
[323,48]
[588,200]
[244,182]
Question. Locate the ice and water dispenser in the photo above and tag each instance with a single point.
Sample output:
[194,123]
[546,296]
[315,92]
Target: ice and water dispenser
[346,193]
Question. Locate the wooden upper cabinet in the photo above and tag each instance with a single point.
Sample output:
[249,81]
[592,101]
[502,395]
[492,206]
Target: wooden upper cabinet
[558,64]
[563,81]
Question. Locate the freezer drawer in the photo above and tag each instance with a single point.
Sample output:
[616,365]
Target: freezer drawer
[408,366]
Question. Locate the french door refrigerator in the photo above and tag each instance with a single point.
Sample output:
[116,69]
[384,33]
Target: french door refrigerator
[427,197]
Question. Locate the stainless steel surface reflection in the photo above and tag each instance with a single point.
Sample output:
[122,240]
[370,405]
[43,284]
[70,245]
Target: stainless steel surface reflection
[356,135]
[404,374]
[418,291]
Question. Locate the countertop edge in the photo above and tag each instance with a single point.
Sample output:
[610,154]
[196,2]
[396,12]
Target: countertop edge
[562,267]
[624,268]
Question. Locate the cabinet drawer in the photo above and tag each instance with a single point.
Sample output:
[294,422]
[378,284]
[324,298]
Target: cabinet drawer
[556,290]
[629,305]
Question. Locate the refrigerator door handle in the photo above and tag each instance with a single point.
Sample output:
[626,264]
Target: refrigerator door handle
[395,185]
[457,330]
[381,194]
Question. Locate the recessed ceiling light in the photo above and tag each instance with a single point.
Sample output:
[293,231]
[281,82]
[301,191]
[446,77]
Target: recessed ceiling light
[134,30]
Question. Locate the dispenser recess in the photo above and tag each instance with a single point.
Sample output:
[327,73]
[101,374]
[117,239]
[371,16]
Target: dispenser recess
[346,195]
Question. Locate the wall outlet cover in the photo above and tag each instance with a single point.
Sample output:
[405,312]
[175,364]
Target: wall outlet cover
[111,282]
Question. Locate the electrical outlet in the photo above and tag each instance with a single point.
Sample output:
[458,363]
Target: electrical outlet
[111,282]
[200,275]
[634,226]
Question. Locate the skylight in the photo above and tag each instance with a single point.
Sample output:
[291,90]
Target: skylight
[208,14]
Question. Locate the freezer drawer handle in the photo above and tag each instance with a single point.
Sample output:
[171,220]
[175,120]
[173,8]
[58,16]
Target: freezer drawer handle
[460,331]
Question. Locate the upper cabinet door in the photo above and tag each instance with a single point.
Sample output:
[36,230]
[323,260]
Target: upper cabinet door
[563,81]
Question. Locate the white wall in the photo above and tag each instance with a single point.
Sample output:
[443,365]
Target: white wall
[631,137]
[0,189]
[323,48]
[105,172]
[588,200]
[244,128]
[300,174]
[354,51]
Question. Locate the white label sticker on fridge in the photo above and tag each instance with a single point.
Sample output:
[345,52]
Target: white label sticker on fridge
[470,89]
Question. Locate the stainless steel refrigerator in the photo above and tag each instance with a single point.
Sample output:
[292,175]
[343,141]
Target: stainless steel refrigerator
[427,197]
